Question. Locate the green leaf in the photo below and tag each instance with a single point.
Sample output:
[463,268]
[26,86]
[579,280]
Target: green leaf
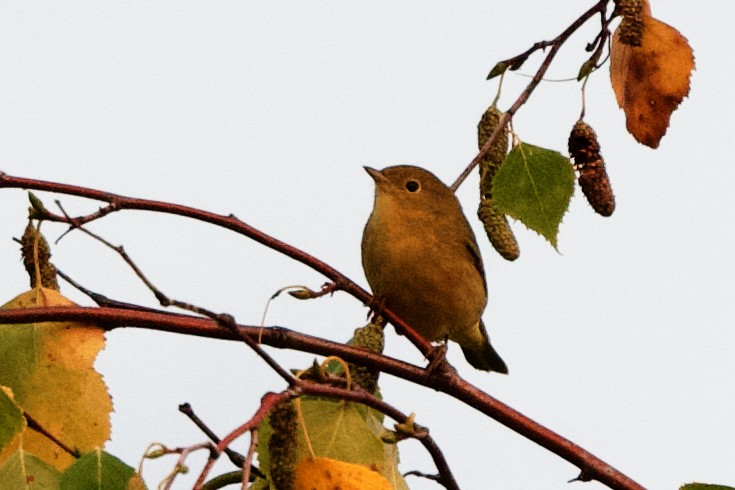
[24,471]
[350,432]
[11,419]
[704,486]
[534,185]
[340,430]
[98,470]
[335,426]
[265,431]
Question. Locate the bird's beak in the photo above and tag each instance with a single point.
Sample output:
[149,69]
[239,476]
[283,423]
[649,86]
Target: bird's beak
[377,175]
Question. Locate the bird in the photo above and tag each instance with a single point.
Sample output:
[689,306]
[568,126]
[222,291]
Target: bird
[422,262]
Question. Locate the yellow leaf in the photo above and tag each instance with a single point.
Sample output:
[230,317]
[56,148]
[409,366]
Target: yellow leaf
[49,367]
[330,474]
[652,79]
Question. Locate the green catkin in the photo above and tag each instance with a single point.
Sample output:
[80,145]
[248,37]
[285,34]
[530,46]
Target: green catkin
[495,223]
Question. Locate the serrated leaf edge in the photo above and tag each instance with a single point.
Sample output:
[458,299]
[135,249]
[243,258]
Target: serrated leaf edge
[535,188]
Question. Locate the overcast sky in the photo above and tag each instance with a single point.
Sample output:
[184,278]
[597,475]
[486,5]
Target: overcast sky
[623,342]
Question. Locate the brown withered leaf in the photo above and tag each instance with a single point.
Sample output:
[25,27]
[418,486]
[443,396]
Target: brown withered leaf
[652,79]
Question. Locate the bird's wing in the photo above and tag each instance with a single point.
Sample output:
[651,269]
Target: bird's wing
[474,253]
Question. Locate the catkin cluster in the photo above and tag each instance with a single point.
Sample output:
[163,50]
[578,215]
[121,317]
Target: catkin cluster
[282,444]
[585,150]
[496,224]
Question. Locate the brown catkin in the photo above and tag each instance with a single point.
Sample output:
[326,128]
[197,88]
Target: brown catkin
[630,31]
[282,445]
[32,240]
[585,150]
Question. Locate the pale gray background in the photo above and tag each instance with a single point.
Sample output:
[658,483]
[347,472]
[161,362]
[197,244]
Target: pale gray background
[623,342]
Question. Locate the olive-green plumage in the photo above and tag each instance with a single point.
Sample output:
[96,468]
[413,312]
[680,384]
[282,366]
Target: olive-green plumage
[421,259]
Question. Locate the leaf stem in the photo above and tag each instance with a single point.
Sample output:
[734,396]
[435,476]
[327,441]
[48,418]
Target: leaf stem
[555,44]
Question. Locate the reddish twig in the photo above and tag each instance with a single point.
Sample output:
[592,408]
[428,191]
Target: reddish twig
[180,466]
[117,203]
[267,403]
[249,458]
[236,458]
[592,468]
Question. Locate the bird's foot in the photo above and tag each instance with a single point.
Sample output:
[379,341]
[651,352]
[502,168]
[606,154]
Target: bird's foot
[438,361]
[376,308]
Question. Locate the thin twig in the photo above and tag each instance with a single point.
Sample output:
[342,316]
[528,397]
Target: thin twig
[248,466]
[74,224]
[554,46]
[103,300]
[232,223]
[267,402]
[236,458]
[422,475]
[454,386]
[225,320]
[180,466]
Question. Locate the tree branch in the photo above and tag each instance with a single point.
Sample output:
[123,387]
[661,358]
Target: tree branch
[117,203]
[591,467]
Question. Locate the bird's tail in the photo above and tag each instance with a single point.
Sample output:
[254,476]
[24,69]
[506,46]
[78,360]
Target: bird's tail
[482,355]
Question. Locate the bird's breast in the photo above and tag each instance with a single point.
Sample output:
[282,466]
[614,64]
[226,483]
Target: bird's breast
[429,282]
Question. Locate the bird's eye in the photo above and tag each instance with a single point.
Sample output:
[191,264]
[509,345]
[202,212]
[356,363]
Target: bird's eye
[412,186]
